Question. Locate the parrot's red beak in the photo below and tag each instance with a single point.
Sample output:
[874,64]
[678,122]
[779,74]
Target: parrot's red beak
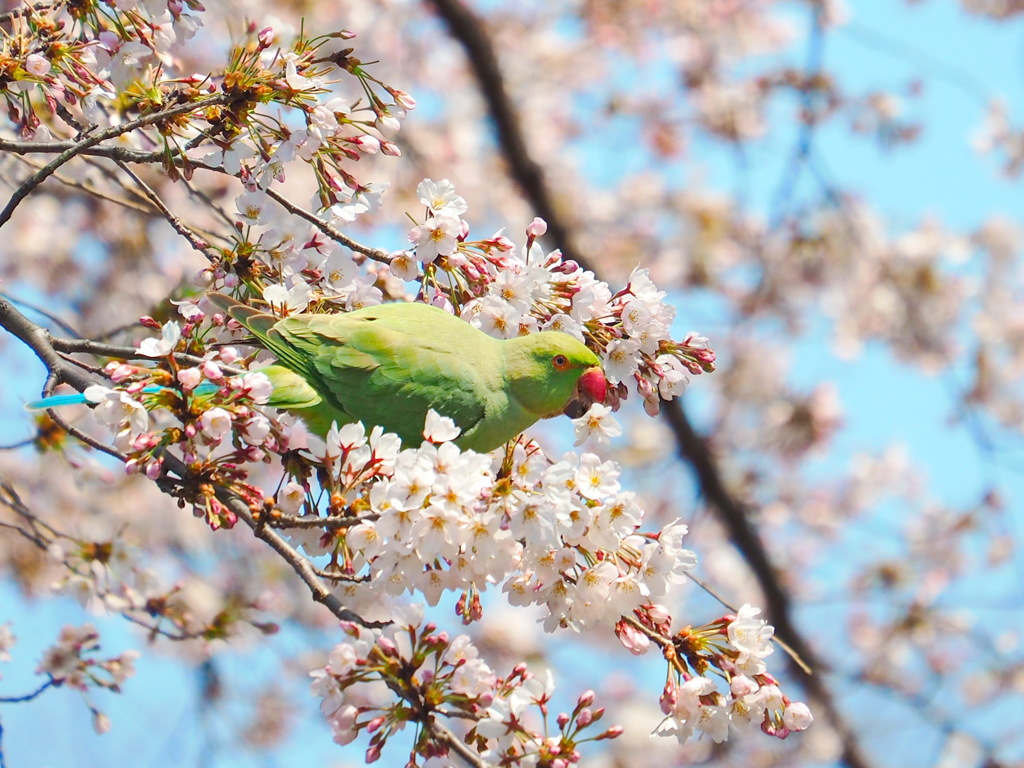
[593,386]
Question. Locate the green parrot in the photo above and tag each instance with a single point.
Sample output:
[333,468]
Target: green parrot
[388,365]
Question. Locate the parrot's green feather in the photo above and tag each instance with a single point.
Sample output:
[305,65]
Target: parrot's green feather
[388,365]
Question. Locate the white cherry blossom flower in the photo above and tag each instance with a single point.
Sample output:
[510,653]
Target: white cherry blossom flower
[597,426]
[405,266]
[253,208]
[440,197]
[751,635]
[216,422]
[170,335]
[288,301]
[437,236]
[621,360]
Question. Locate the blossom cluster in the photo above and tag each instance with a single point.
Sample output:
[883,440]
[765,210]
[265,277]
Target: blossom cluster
[433,673]
[563,535]
[71,661]
[386,519]
[734,647]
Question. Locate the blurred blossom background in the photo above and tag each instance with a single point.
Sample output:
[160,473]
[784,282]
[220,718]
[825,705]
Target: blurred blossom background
[830,192]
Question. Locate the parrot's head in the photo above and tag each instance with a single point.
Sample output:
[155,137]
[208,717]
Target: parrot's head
[548,371]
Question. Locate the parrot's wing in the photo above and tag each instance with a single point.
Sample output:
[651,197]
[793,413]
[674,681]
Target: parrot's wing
[388,373]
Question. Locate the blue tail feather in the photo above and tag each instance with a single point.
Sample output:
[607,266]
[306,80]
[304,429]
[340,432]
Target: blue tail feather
[77,398]
[55,401]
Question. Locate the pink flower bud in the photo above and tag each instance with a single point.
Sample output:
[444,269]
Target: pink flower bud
[388,124]
[120,372]
[537,228]
[390,149]
[100,722]
[632,639]
[212,371]
[189,378]
[403,99]
[149,322]
[669,698]
[367,144]
[658,613]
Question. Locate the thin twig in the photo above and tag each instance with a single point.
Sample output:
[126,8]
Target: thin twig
[27,696]
[20,444]
[89,347]
[802,151]
[327,523]
[441,734]
[335,234]
[48,315]
[212,255]
[81,436]
[26,188]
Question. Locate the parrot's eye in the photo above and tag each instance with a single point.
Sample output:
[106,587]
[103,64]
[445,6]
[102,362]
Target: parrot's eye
[561,362]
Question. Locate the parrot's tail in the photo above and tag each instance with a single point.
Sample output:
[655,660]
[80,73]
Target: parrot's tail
[57,401]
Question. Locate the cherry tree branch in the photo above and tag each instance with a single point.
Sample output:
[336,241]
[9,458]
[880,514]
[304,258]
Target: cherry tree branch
[122,154]
[197,243]
[26,188]
[37,339]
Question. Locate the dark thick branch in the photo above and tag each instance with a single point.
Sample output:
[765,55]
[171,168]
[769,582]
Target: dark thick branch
[468,31]
[40,342]
[466,28]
